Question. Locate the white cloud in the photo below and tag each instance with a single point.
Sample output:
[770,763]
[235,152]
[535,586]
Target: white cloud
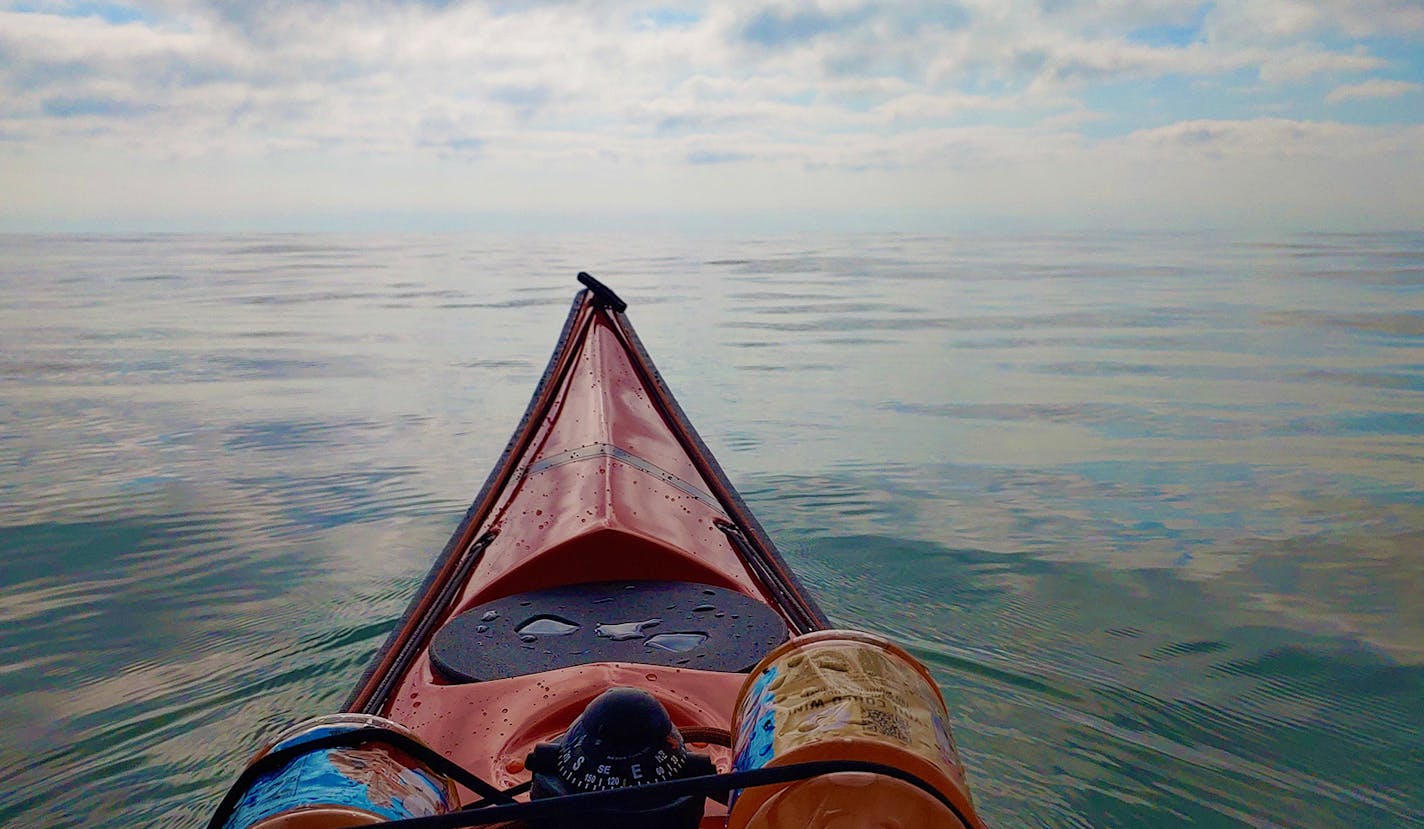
[1254,21]
[811,101]
[919,106]
[1372,88]
[1273,139]
[1285,66]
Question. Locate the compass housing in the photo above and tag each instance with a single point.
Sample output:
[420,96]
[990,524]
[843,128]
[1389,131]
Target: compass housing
[623,738]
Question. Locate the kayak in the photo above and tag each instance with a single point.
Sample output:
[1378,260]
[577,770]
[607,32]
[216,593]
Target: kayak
[610,638]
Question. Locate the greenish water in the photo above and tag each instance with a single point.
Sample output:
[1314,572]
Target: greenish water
[1149,506]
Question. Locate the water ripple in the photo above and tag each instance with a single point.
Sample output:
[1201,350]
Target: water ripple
[1147,506]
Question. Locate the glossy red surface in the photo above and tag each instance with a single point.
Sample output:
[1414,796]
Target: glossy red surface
[605,490]
[487,726]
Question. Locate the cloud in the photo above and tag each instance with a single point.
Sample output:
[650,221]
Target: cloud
[1299,63]
[1370,89]
[818,98]
[1274,139]
[920,106]
[228,75]
[1267,20]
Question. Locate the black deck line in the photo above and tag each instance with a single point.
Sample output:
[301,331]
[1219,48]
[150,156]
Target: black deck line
[474,516]
[425,627]
[736,509]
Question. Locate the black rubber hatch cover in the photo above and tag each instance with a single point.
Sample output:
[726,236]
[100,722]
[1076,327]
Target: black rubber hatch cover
[650,622]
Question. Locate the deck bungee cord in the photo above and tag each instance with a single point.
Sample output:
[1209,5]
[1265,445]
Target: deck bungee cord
[499,805]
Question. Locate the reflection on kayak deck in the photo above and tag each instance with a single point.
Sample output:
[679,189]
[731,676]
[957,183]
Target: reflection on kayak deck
[676,642]
[546,626]
[623,631]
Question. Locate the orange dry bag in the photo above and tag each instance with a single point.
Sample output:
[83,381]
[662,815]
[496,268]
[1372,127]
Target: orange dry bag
[847,695]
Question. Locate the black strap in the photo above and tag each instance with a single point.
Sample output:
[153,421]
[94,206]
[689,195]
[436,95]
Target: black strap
[507,809]
[519,788]
[412,645]
[654,793]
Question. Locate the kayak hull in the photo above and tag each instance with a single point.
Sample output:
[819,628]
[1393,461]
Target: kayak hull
[604,480]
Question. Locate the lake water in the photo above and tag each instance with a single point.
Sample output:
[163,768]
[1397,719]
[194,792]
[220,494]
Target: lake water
[1149,506]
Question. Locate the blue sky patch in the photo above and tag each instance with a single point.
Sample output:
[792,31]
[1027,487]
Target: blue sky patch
[775,29]
[1183,33]
[79,107]
[669,18]
[714,157]
[117,13]
[1130,106]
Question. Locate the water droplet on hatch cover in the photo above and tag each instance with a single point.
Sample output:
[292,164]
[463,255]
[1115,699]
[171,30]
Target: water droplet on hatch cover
[626,630]
[547,626]
[676,642]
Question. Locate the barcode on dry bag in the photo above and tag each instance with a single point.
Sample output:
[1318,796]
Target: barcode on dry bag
[887,723]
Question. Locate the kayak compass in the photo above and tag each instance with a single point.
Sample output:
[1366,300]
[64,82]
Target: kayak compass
[623,738]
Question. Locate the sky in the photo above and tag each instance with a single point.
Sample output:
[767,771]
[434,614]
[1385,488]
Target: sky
[749,114]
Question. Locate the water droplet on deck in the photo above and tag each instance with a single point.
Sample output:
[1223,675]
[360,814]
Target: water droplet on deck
[626,630]
[676,642]
[490,616]
[547,626]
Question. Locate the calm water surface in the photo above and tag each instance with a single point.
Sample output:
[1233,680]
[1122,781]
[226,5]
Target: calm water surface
[1150,507]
